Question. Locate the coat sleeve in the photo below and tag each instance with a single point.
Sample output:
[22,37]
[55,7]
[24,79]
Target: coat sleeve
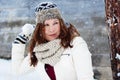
[20,64]
[82,59]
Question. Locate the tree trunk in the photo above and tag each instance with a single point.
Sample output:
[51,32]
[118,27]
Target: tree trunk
[112,8]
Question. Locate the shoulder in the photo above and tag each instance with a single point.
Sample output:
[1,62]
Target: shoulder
[80,46]
[78,40]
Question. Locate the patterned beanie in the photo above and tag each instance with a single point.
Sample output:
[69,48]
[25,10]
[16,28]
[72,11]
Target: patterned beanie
[46,10]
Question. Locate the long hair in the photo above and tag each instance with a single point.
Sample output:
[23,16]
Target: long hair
[66,36]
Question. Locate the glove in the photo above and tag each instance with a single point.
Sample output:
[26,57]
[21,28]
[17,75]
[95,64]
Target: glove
[25,35]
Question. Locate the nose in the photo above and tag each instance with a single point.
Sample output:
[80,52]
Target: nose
[51,29]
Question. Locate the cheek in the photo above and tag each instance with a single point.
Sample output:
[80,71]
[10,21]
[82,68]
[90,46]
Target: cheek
[58,29]
[46,31]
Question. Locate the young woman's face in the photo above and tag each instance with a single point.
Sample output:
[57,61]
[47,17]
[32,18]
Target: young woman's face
[52,29]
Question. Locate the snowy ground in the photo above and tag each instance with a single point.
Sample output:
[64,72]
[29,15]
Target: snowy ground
[5,69]
[6,72]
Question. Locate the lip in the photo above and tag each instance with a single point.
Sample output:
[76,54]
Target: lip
[52,34]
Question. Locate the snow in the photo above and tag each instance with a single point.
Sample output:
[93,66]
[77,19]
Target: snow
[6,72]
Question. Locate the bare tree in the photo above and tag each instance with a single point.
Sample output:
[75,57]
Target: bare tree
[112,8]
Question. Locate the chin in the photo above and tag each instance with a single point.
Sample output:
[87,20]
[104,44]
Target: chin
[50,39]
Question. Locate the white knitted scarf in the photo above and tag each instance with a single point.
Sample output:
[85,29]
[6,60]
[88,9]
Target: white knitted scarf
[49,52]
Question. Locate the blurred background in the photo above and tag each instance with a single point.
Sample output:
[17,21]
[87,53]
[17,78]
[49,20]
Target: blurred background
[88,16]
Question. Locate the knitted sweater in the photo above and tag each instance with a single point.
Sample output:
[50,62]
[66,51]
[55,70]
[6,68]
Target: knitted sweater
[75,63]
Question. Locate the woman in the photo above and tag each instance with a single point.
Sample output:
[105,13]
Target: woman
[56,50]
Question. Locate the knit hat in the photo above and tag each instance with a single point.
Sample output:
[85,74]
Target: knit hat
[46,10]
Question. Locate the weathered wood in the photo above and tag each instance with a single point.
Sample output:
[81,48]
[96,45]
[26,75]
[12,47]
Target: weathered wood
[112,8]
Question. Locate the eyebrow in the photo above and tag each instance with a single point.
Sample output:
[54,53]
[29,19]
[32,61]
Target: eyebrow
[56,20]
[53,21]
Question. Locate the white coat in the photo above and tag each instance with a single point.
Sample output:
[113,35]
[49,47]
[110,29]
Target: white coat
[75,63]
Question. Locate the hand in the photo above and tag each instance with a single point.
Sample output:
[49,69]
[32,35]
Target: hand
[25,35]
